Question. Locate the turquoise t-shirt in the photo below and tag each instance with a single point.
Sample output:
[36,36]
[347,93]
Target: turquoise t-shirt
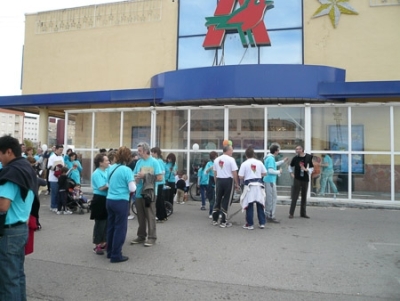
[163,168]
[118,182]
[19,209]
[329,167]
[170,172]
[99,179]
[74,174]
[270,162]
[150,165]
[203,177]
[210,170]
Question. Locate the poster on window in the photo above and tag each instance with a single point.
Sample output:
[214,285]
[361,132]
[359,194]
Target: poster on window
[143,134]
[338,141]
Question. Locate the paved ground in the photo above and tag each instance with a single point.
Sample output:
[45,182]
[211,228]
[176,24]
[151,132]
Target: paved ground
[338,254]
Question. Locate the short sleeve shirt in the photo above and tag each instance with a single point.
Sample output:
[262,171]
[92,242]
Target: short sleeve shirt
[118,182]
[150,165]
[19,209]
[99,179]
[252,169]
[224,166]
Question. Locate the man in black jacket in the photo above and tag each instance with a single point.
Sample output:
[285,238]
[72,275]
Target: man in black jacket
[301,167]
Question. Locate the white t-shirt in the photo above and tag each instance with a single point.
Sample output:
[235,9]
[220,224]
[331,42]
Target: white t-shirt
[224,165]
[54,160]
[252,169]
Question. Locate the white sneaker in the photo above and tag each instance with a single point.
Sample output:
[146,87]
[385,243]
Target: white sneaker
[245,226]
[59,212]
[131,217]
[210,216]
[67,212]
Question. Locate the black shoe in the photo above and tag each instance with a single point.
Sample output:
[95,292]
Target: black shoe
[304,216]
[290,215]
[122,259]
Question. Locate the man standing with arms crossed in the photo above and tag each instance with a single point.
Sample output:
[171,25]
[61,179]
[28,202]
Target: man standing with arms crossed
[270,181]
[226,179]
[18,191]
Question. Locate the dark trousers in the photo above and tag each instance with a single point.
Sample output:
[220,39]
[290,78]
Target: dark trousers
[223,199]
[297,186]
[117,225]
[62,200]
[172,192]
[211,193]
[161,212]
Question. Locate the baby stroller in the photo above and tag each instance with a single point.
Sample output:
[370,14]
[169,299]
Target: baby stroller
[75,203]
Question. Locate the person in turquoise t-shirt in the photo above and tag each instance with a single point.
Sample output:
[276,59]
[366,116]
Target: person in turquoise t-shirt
[75,168]
[98,207]
[271,196]
[120,185]
[161,212]
[211,182]
[146,213]
[202,181]
[170,174]
[18,183]
[327,175]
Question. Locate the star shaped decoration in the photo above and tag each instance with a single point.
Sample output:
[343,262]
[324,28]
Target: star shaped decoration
[334,8]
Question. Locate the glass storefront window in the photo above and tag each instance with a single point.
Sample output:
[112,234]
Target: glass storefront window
[285,14]
[397,178]
[370,128]
[81,138]
[374,183]
[249,130]
[286,127]
[107,129]
[172,126]
[329,128]
[85,157]
[136,128]
[207,129]
[396,119]
[286,48]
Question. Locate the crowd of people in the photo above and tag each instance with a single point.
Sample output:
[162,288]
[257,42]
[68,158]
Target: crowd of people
[144,177]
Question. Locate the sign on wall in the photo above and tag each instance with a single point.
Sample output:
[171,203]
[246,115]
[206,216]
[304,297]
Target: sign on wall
[247,20]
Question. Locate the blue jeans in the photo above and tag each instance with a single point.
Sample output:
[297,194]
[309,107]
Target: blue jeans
[260,214]
[54,195]
[203,191]
[12,257]
[117,225]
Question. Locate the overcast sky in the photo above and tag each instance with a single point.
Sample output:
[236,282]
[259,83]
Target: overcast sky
[12,32]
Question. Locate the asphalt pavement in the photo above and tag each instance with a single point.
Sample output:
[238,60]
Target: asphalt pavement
[339,253]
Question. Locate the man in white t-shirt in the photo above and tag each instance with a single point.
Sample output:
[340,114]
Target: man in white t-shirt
[252,172]
[56,161]
[225,173]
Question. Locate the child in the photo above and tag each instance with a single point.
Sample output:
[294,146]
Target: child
[180,189]
[186,195]
[78,194]
[62,192]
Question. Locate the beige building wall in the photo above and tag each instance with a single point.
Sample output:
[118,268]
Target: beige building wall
[367,45]
[105,47]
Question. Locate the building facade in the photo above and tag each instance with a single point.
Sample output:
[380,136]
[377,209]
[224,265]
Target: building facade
[145,70]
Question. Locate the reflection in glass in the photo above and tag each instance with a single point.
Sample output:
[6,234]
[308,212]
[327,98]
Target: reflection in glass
[207,128]
[172,125]
[397,178]
[192,16]
[235,54]
[285,14]
[375,182]
[396,121]
[327,126]
[107,128]
[136,128]
[81,138]
[286,127]
[376,127]
[87,166]
[249,130]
